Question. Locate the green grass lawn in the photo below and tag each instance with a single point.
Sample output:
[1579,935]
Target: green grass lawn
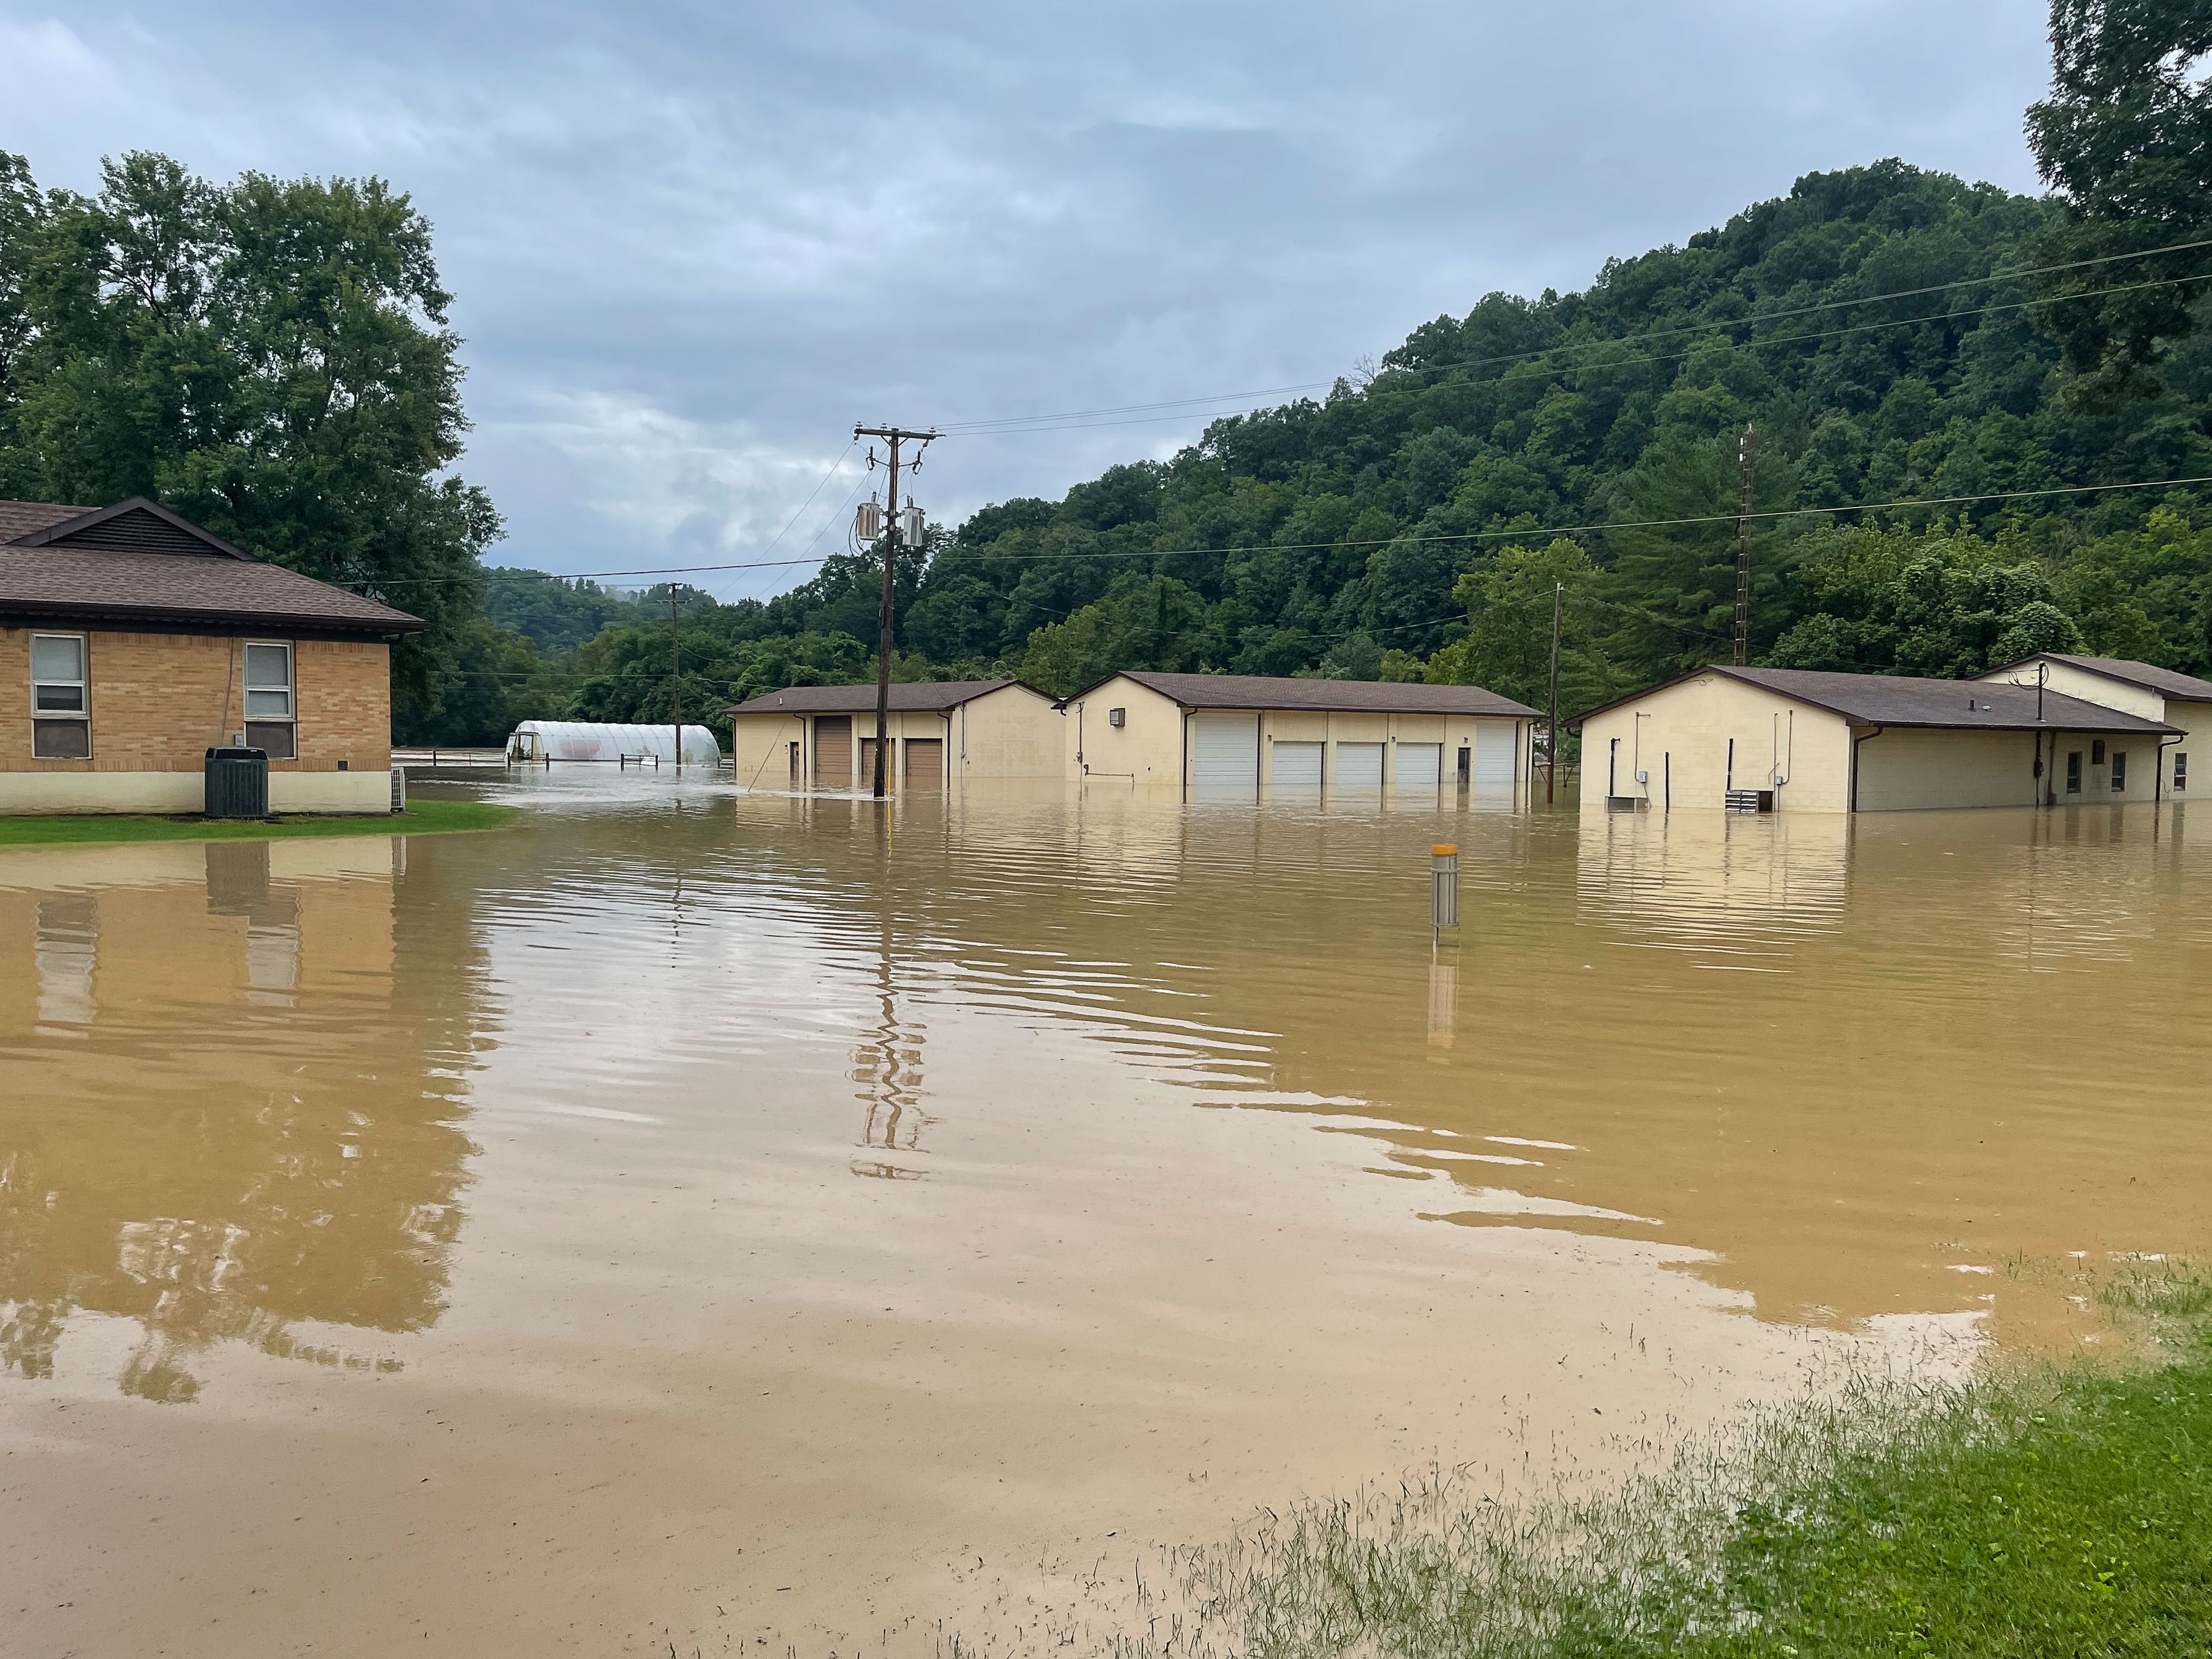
[2057,1514]
[421,817]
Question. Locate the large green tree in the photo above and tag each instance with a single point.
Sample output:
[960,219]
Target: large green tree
[2125,137]
[270,358]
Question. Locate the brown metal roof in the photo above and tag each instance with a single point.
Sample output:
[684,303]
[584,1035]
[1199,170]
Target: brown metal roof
[1895,700]
[137,564]
[2166,682]
[919,697]
[1332,697]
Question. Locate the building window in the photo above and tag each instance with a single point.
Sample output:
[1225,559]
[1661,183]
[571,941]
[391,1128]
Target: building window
[2074,772]
[2097,751]
[2119,768]
[61,708]
[270,715]
[2180,770]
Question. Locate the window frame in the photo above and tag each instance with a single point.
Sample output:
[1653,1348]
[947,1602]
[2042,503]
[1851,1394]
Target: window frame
[2073,771]
[2181,769]
[82,714]
[2119,765]
[290,718]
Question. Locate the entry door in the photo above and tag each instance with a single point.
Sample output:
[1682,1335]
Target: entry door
[833,752]
[1296,767]
[1494,757]
[794,765]
[1359,766]
[1421,766]
[866,777]
[1225,757]
[925,764]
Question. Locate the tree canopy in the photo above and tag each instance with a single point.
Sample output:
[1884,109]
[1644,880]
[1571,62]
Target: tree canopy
[268,358]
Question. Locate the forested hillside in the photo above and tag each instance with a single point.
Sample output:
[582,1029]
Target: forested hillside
[1416,525]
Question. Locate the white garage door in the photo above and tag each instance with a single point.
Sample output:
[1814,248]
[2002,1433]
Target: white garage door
[1295,768]
[1359,766]
[1494,757]
[1225,757]
[1420,765]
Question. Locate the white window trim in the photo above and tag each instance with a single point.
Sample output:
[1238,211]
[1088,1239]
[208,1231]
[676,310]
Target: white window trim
[291,687]
[82,716]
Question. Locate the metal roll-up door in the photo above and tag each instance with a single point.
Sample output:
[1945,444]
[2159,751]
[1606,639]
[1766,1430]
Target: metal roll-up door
[1295,768]
[1494,757]
[925,764]
[1359,766]
[1420,765]
[833,752]
[1225,757]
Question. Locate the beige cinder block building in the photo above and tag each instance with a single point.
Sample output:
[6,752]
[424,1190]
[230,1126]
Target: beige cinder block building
[1235,737]
[1774,740]
[137,641]
[824,737]
[2180,701]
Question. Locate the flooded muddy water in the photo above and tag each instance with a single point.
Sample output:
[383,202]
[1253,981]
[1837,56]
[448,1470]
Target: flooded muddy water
[762,1223]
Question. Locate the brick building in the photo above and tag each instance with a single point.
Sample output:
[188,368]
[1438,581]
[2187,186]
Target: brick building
[138,641]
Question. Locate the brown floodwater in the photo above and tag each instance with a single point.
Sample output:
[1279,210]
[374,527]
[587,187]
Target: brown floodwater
[752,1223]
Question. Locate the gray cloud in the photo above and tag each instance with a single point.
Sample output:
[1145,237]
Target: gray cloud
[693,244]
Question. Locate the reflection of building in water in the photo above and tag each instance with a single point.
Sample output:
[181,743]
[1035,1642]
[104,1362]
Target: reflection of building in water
[1709,880]
[67,929]
[224,1121]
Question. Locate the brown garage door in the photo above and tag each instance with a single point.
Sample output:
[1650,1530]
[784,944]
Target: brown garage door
[866,777]
[833,752]
[925,763]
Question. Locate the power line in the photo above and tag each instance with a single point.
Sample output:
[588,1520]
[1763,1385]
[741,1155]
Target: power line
[1445,369]
[952,556]
[1018,420]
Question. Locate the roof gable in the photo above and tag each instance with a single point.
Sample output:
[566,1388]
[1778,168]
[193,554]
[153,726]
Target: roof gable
[907,697]
[1257,691]
[1896,700]
[137,526]
[2148,677]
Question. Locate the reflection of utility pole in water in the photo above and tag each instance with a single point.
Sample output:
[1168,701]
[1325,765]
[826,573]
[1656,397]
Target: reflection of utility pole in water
[888,1067]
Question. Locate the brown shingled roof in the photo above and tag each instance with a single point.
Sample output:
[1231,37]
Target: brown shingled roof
[1335,696]
[21,518]
[137,563]
[921,696]
[1895,700]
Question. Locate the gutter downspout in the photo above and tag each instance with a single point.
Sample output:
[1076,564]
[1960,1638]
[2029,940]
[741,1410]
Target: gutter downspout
[1183,763]
[2158,766]
[1856,742]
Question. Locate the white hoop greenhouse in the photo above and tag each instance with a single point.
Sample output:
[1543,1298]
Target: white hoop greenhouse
[591,740]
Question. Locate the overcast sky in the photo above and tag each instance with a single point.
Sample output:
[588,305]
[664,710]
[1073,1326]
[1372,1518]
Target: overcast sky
[692,245]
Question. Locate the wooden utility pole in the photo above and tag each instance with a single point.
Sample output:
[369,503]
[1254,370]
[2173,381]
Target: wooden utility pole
[894,436]
[1552,732]
[1745,452]
[676,672]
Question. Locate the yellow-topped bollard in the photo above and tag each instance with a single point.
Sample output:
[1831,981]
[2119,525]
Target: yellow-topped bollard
[1443,886]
